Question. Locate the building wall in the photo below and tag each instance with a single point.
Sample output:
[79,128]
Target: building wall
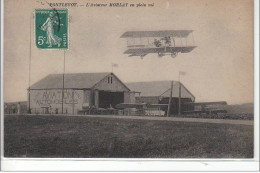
[175,93]
[88,98]
[175,104]
[50,101]
[110,83]
[149,100]
[96,99]
[129,97]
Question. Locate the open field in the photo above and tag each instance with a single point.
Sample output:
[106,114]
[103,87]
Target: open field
[67,136]
[226,116]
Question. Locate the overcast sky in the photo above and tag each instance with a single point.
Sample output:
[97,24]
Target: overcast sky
[219,69]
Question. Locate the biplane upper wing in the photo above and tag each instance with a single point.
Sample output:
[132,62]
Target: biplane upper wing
[144,51]
[173,33]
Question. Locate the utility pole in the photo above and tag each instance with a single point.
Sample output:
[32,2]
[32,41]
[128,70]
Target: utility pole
[30,54]
[73,101]
[179,110]
[63,85]
[170,101]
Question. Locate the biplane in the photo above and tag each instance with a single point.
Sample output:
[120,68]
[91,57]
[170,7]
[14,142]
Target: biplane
[171,42]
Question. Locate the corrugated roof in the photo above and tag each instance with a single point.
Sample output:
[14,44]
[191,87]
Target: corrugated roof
[159,88]
[73,80]
[174,33]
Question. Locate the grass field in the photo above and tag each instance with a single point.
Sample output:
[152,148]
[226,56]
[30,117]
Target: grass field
[78,137]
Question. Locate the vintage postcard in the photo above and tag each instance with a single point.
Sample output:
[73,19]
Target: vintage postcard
[138,80]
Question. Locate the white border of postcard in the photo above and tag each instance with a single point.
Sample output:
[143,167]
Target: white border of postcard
[11,164]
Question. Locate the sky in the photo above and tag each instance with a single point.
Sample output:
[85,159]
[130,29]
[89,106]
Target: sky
[221,68]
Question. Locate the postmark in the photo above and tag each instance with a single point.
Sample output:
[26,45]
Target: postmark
[51,28]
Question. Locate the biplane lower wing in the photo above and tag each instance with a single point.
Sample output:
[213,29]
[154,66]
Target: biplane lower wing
[145,51]
[135,54]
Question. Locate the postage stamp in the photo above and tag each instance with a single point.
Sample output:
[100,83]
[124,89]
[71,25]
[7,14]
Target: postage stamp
[51,28]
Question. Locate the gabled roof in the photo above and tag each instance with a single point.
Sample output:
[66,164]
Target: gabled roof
[160,88]
[71,80]
[174,33]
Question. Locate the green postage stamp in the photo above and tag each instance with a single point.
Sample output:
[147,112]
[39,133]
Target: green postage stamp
[51,28]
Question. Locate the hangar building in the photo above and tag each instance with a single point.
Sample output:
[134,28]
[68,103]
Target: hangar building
[80,89]
[158,92]
[102,90]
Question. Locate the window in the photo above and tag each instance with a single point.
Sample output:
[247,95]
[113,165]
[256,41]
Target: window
[109,79]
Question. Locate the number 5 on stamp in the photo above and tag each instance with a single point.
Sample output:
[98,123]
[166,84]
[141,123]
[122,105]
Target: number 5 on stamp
[51,28]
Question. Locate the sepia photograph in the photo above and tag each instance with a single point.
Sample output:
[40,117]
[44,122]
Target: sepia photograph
[134,79]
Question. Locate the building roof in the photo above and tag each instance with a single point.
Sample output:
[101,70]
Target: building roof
[174,33]
[89,80]
[160,88]
[71,80]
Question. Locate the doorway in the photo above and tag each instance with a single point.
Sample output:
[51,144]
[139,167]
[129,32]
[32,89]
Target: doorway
[107,98]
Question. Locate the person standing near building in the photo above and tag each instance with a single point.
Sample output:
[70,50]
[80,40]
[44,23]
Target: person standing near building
[50,109]
[13,108]
[6,109]
[19,108]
